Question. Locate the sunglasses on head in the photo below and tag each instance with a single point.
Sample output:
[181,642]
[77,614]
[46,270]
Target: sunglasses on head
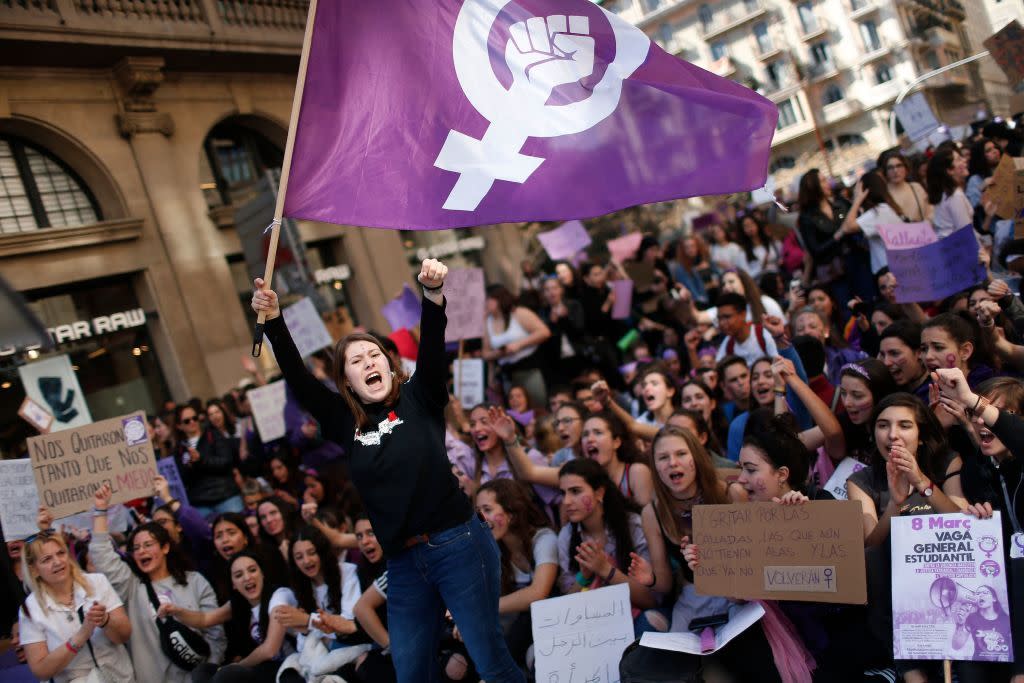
[44,534]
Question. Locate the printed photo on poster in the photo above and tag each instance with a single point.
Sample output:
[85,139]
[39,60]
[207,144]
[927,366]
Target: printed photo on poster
[949,597]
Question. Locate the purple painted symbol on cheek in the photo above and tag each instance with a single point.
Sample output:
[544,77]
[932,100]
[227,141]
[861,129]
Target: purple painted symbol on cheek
[950,360]
[588,504]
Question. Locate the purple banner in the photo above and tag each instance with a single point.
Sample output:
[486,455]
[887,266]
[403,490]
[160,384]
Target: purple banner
[403,311]
[478,112]
[565,241]
[935,271]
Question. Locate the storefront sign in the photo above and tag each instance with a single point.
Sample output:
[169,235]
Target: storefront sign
[325,276]
[103,324]
[448,248]
[71,465]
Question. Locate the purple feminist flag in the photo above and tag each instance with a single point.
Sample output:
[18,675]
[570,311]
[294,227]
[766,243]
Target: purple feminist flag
[459,113]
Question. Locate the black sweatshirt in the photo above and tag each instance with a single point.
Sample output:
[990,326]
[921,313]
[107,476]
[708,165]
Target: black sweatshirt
[400,468]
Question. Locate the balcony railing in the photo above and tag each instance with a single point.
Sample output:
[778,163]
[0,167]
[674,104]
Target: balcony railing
[267,26]
[873,51]
[815,29]
[792,131]
[862,8]
[823,70]
[845,108]
[734,17]
[659,11]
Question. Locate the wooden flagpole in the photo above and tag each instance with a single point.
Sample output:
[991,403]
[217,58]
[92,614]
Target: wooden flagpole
[286,166]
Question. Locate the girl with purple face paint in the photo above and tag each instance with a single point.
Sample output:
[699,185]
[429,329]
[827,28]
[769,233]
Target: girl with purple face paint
[596,546]
[529,557]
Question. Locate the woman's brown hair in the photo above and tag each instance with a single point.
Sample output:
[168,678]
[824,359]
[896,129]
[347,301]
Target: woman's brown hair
[351,400]
[709,487]
[524,521]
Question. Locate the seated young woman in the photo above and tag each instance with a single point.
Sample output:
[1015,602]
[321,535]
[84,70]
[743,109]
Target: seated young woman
[529,557]
[256,643]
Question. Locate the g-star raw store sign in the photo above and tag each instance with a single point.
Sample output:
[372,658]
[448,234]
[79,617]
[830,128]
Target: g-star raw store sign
[103,324]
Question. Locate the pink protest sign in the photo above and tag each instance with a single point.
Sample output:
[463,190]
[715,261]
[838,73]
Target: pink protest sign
[624,248]
[403,311]
[464,292]
[565,241]
[907,235]
[623,298]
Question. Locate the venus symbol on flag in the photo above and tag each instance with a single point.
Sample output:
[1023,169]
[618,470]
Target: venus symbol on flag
[542,54]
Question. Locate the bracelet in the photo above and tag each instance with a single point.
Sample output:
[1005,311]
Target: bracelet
[654,580]
[512,443]
[611,575]
[582,580]
[97,512]
[71,647]
[976,404]
[432,289]
[779,392]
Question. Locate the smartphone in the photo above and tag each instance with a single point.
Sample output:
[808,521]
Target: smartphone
[712,621]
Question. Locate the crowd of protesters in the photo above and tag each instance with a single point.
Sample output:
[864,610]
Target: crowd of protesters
[752,361]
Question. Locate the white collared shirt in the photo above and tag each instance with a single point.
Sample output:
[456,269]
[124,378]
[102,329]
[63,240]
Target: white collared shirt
[55,628]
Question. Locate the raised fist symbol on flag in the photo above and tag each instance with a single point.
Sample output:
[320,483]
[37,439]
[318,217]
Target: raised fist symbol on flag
[549,53]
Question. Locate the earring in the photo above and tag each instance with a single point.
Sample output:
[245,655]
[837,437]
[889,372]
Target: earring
[392,373]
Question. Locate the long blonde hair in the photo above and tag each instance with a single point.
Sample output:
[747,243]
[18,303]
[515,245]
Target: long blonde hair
[709,488]
[31,553]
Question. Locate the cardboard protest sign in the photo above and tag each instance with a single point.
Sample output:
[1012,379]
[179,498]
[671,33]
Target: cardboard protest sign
[907,235]
[267,404]
[464,291]
[812,552]
[949,598]
[1007,48]
[565,241]
[52,383]
[623,298]
[306,327]
[168,469]
[916,116]
[936,270]
[582,636]
[624,248]
[404,310]
[35,415]
[1007,191]
[642,275]
[19,501]
[468,380]
[70,465]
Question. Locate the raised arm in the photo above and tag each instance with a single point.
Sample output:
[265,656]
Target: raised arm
[431,378]
[314,396]
[824,418]
[524,468]
[101,550]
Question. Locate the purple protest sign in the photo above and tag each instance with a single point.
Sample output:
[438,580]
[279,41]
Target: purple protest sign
[565,241]
[936,270]
[624,248]
[477,112]
[623,298]
[465,294]
[907,235]
[403,311]
[949,598]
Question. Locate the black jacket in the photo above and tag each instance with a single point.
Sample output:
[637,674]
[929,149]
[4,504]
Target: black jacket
[210,479]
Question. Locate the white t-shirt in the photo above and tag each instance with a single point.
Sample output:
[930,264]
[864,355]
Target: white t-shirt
[54,627]
[770,306]
[729,255]
[750,350]
[545,551]
[869,222]
[757,266]
[282,596]
[952,213]
[350,593]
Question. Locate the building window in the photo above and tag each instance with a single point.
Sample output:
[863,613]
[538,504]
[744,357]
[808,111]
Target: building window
[764,41]
[883,73]
[620,6]
[833,94]
[808,22]
[787,115]
[751,5]
[773,74]
[851,140]
[869,33]
[932,59]
[718,51]
[705,16]
[37,190]
[237,159]
[782,163]
[821,54]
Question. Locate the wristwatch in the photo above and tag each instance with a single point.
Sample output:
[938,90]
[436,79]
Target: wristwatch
[927,491]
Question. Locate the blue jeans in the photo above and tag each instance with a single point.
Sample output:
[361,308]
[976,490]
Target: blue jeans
[232,504]
[459,568]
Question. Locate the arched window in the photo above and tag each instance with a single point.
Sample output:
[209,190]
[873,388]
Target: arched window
[833,93]
[237,159]
[850,140]
[37,190]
